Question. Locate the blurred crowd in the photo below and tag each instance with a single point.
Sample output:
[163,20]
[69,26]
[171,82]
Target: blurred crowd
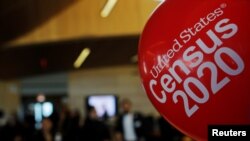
[69,125]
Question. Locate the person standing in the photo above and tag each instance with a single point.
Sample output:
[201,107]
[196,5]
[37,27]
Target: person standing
[46,133]
[93,128]
[129,124]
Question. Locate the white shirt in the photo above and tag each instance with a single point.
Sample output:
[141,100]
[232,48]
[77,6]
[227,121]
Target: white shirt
[128,127]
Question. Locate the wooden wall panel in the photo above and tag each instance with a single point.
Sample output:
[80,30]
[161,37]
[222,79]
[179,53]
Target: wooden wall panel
[9,96]
[18,17]
[82,19]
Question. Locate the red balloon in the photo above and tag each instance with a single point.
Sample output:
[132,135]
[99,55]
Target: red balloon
[194,63]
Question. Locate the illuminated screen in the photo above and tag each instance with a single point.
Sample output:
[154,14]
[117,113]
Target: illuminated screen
[103,104]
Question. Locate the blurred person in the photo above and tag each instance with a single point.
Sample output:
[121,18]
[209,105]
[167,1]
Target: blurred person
[186,138]
[64,123]
[55,118]
[129,124]
[3,118]
[28,127]
[168,132]
[93,128]
[73,126]
[46,133]
[3,121]
[12,130]
[151,128]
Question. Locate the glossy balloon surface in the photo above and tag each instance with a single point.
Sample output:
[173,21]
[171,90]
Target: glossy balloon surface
[194,62]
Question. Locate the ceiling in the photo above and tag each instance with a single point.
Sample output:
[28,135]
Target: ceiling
[19,17]
[37,59]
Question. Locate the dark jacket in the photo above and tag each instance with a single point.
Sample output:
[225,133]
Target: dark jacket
[94,130]
[138,124]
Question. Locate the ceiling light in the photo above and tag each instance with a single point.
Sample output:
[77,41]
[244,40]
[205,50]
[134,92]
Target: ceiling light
[108,8]
[82,57]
